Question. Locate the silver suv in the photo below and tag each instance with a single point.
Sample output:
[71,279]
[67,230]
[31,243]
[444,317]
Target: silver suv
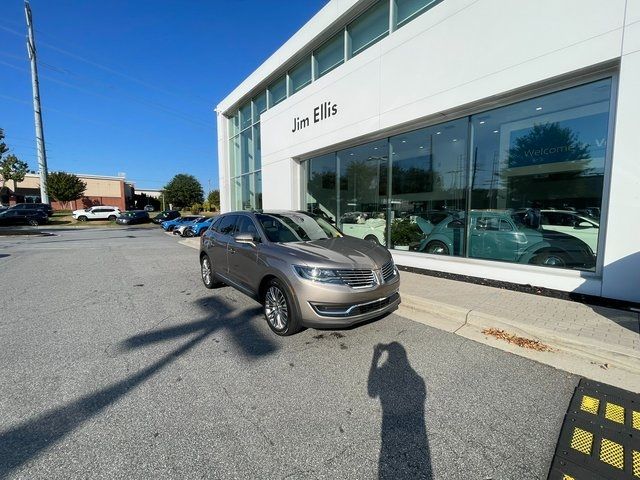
[301,268]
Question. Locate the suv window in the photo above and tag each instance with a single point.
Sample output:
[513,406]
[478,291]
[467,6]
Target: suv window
[227,225]
[246,225]
[215,224]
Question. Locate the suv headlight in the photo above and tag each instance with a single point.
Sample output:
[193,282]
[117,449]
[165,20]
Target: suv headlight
[315,274]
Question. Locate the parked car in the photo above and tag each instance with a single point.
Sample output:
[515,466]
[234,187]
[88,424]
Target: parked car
[99,212]
[303,270]
[23,217]
[165,215]
[148,208]
[501,235]
[183,228]
[169,225]
[580,226]
[45,207]
[131,217]
[199,228]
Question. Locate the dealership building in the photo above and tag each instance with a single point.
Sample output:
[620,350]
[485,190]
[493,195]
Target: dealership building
[488,138]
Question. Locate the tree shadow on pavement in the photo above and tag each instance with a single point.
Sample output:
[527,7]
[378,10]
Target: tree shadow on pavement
[21,443]
[404,450]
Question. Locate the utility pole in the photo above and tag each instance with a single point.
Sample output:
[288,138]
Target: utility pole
[42,154]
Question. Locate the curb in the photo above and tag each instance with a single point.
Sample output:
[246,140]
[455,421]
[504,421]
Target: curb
[447,317]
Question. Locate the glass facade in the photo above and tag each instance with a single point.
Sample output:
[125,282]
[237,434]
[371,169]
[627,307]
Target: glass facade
[244,156]
[244,125]
[522,183]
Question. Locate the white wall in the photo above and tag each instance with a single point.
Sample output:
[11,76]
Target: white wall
[466,53]
[621,273]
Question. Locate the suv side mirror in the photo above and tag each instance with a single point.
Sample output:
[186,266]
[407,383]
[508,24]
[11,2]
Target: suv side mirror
[245,238]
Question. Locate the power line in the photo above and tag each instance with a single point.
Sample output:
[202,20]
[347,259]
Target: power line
[167,110]
[106,68]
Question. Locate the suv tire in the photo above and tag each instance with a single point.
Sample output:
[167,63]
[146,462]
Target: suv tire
[206,273]
[111,218]
[278,309]
[82,218]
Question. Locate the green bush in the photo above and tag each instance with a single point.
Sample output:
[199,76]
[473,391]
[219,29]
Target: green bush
[405,232]
[196,208]
[206,206]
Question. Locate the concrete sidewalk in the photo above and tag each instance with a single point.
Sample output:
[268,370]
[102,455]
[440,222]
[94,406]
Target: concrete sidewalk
[595,342]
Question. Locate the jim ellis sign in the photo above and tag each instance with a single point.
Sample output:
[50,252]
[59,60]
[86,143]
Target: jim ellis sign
[320,113]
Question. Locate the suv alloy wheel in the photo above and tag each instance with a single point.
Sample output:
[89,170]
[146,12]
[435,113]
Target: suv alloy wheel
[206,272]
[278,311]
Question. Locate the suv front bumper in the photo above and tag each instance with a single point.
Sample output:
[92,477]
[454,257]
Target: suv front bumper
[331,307]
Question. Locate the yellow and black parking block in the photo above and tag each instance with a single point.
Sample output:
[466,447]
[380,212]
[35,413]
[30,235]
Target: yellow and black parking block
[600,436]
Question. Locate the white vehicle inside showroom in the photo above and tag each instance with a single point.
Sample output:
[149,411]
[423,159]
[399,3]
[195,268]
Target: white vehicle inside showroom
[494,139]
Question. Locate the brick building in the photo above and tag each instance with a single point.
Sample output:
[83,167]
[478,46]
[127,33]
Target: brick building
[101,190]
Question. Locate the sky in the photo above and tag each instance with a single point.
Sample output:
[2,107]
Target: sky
[130,86]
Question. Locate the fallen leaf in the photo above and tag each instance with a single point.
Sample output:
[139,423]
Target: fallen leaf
[519,341]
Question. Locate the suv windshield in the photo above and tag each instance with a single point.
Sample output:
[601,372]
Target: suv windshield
[295,227]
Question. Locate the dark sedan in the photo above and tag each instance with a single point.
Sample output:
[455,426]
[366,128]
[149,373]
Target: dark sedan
[132,217]
[23,217]
[45,207]
[165,215]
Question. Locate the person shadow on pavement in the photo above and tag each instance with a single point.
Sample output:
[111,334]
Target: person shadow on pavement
[404,451]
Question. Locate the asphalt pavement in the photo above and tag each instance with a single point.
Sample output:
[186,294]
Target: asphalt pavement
[117,363]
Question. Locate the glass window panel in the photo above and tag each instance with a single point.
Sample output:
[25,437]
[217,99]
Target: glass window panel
[330,55]
[234,156]
[428,188]
[234,125]
[277,91]
[258,190]
[247,192]
[259,106]
[369,27]
[321,187]
[257,165]
[539,166]
[246,151]
[407,10]
[300,75]
[236,194]
[362,196]
[245,116]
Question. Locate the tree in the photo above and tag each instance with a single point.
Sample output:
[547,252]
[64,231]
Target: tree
[65,187]
[183,191]
[12,169]
[3,146]
[214,199]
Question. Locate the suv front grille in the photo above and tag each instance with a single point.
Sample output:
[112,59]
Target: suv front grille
[357,278]
[377,305]
[388,271]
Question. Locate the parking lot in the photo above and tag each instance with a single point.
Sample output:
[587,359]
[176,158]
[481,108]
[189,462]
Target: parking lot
[117,363]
